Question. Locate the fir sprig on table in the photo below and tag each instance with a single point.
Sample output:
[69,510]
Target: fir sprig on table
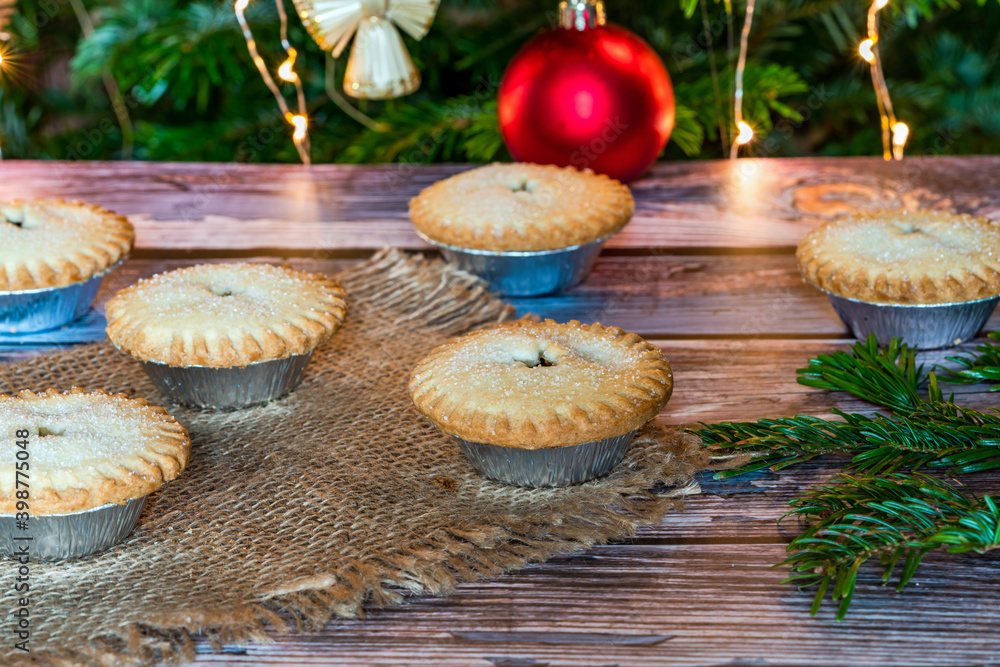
[885,508]
[983,365]
[945,436]
[896,518]
[889,377]
[932,432]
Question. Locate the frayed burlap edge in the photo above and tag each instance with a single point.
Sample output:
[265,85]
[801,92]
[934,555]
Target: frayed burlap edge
[448,301]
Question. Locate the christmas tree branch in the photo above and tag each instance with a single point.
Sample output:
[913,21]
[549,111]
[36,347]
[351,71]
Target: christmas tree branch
[888,377]
[941,436]
[983,365]
[110,84]
[927,432]
[897,518]
[885,509]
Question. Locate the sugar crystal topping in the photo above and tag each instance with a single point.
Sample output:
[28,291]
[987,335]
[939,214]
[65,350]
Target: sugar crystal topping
[75,433]
[550,364]
[225,315]
[927,238]
[225,294]
[551,367]
[547,384]
[521,207]
[86,449]
[40,237]
[900,257]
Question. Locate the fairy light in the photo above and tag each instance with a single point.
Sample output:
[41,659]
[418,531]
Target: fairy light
[894,133]
[900,132]
[285,72]
[745,135]
[301,125]
[745,131]
[300,135]
[10,62]
[300,95]
[865,49]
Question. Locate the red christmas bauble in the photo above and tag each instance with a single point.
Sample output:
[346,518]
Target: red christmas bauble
[598,98]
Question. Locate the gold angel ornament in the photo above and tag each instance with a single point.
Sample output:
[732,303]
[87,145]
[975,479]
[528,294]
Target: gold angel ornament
[379,66]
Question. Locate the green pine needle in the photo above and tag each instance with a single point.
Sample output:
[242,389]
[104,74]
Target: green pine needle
[885,509]
[897,516]
[887,377]
[943,437]
[983,365]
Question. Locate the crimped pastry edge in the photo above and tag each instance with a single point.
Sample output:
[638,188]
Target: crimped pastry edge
[125,333]
[588,224]
[170,458]
[855,282]
[85,263]
[555,433]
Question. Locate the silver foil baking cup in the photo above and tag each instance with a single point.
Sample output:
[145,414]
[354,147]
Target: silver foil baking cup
[207,387]
[64,536]
[27,311]
[924,326]
[530,273]
[549,466]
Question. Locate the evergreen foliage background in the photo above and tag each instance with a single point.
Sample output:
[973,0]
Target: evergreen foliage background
[193,93]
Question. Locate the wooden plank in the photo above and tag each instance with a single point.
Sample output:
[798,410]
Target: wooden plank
[731,379]
[656,296]
[742,378]
[746,509]
[750,379]
[662,296]
[696,589]
[740,381]
[719,204]
[666,605]
[705,296]
[669,295]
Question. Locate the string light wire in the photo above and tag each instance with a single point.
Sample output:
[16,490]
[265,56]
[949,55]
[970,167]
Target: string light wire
[287,73]
[7,9]
[745,132]
[299,121]
[894,132]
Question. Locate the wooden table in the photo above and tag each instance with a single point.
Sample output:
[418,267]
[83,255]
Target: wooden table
[706,271]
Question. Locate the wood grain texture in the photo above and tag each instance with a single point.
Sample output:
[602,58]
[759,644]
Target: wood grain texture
[661,296]
[751,204]
[719,317]
[698,589]
[665,605]
[705,270]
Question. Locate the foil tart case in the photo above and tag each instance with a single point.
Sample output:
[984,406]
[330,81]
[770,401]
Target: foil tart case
[528,273]
[926,327]
[55,537]
[549,466]
[26,311]
[207,387]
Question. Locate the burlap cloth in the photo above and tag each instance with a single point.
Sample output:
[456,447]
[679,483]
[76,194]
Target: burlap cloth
[337,497]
